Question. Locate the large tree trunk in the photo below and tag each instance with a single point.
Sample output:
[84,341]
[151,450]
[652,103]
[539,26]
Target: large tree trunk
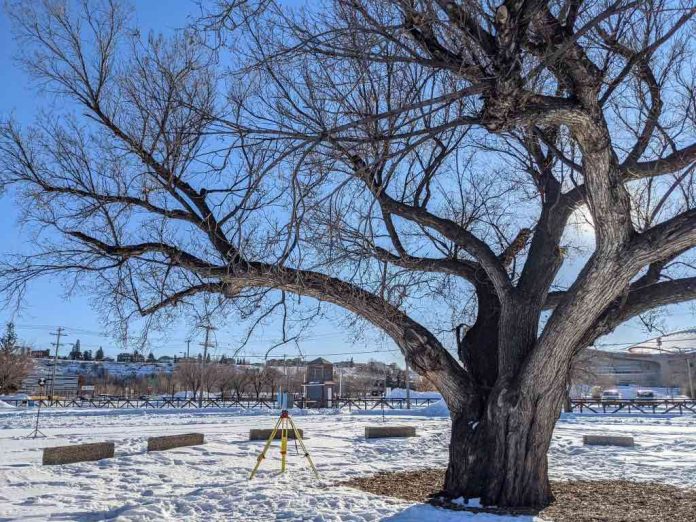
[501,458]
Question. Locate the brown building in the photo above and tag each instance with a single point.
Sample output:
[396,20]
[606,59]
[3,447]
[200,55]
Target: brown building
[319,388]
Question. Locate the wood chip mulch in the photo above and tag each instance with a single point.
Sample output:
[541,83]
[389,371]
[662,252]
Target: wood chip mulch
[576,501]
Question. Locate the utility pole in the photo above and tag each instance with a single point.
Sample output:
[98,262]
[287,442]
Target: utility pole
[408,387]
[205,344]
[188,348]
[686,354]
[287,376]
[340,382]
[59,333]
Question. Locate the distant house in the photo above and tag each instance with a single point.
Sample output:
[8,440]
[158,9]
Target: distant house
[128,357]
[40,354]
[319,388]
[165,359]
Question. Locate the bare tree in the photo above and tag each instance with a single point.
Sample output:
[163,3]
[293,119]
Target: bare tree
[265,380]
[212,374]
[225,381]
[375,155]
[582,373]
[358,385]
[189,375]
[240,382]
[273,379]
[15,363]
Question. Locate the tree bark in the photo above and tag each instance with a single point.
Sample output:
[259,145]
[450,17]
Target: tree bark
[501,458]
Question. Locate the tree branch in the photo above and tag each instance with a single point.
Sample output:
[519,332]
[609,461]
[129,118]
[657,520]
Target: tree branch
[421,348]
[465,269]
[646,169]
[656,295]
[664,240]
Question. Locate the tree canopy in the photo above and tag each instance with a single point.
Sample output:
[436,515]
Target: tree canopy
[425,165]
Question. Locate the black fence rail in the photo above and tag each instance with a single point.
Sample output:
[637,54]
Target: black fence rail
[242,402]
[629,406]
[379,403]
[637,406]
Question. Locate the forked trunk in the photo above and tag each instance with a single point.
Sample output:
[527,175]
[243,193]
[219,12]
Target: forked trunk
[501,458]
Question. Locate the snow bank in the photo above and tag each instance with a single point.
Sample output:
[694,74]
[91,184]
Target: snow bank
[400,393]
[438,409]
[15,397]
[5,406]
[190,395]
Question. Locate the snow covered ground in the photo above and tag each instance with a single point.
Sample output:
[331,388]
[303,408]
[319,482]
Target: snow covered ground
[209,482]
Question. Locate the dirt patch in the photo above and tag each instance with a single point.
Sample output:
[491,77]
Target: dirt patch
[577,501]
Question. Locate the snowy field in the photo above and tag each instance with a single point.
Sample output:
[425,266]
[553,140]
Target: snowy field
[209,482]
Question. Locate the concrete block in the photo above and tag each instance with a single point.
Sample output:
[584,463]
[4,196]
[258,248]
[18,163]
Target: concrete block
[263,434]
[77,453]
[607,440]
[174,441]
[378,432]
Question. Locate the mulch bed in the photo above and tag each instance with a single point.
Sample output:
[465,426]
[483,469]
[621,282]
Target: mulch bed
[577,501]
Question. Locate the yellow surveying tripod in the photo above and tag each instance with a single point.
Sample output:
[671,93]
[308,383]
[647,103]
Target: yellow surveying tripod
[284,424]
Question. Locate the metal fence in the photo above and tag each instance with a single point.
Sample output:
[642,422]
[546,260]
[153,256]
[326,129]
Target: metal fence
[241,402]
[629,406]
[637,406]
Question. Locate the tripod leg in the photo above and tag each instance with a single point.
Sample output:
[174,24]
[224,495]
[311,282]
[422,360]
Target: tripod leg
[283,444]
[304,448]
[265,449]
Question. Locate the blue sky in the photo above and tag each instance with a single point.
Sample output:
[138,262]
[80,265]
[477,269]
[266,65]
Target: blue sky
[46,307]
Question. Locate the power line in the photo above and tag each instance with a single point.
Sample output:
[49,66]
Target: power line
[71,329]
[642,342]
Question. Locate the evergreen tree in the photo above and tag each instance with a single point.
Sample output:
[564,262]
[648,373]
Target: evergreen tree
[87,355]
[75,353]
[151,358]
[99,355]
[8,341]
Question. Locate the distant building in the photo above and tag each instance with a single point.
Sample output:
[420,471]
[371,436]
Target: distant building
[40,354]
[165,359]
[130,357]
[319,388]
[659,362]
